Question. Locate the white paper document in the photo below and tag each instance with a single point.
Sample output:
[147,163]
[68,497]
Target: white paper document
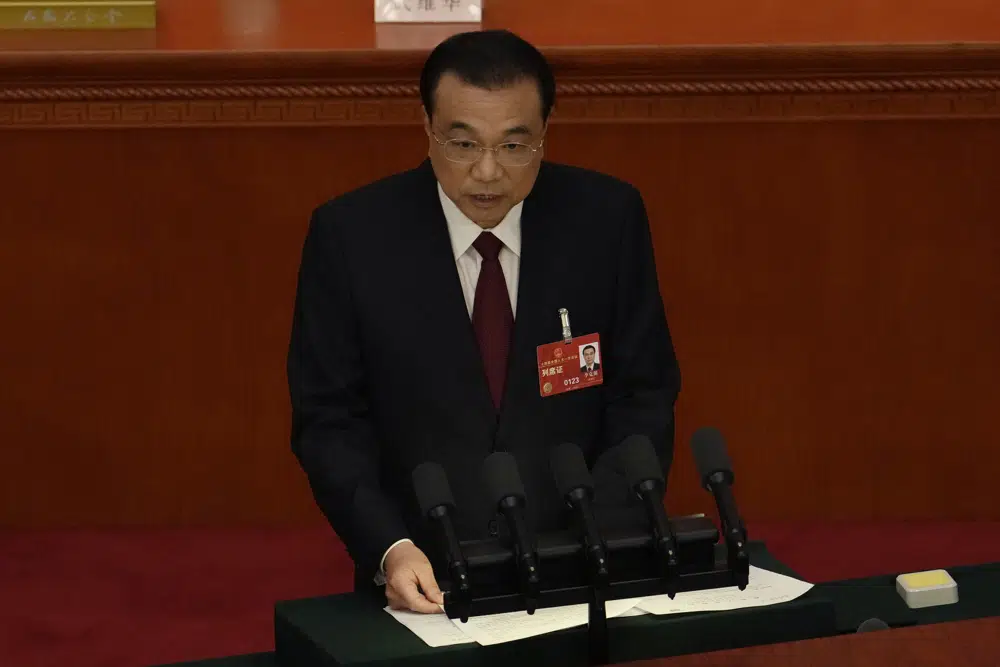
[634,611]
[438,630]
[435,629]
[514,625]
[764,588]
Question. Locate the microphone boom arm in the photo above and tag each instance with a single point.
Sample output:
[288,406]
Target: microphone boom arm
[663,535]
[527,558]
[457,567]
[733,531]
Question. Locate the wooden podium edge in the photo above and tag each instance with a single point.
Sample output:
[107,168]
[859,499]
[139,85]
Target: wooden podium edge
[596,85]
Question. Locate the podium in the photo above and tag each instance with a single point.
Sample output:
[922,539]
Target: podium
[352,620]
[353,630]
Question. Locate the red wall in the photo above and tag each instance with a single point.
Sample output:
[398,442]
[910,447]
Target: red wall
[833,286]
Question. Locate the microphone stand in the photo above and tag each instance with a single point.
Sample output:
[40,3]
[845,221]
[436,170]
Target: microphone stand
[734,533]
[597,616]
[596,558]
[597,628]
[638,574]
[455,561]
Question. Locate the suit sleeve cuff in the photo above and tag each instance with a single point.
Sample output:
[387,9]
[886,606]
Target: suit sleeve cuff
[380,575]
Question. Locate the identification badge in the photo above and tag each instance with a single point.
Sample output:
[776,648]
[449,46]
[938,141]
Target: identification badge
[569,365]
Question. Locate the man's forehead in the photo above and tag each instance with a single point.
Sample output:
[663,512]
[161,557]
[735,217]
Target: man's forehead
[508,108]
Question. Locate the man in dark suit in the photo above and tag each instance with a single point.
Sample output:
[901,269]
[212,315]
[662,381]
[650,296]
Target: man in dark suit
[589,365]
[422,299]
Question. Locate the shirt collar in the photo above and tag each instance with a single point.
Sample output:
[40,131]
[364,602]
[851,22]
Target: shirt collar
[464,232]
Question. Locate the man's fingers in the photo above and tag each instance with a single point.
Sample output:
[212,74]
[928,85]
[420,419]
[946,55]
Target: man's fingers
[411,583]
[394,601]
[414,599]
[429,585]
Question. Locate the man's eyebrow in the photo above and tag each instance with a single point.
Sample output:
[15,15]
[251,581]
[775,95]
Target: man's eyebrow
[465,127]
[518,129]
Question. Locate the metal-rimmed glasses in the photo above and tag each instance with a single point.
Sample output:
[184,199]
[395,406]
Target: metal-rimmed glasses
[508,154]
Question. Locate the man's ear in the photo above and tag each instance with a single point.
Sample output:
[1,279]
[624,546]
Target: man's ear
[427,130]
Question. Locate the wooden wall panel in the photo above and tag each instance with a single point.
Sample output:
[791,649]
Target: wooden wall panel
[147,280]
[834,292]
[832,288]
[824,221]
[749,22]
[200,25]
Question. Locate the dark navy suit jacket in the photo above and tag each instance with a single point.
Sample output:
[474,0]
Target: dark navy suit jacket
[385,373]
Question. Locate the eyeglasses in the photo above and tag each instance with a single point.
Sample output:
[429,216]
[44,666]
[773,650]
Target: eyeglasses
[509,154]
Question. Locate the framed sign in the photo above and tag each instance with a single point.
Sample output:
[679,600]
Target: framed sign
[77,14]
[428,11]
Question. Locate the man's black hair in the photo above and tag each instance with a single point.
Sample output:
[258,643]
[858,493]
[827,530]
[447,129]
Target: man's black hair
[488,59]
[590,347]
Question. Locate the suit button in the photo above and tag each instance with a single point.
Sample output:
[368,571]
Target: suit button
[494,528]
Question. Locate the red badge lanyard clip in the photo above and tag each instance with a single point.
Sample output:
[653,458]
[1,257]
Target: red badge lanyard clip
[567,333]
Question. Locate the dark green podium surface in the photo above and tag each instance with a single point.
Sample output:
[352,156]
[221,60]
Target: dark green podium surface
[354,630]
[857,600]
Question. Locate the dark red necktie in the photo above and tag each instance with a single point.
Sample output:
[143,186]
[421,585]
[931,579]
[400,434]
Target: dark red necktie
[492,317]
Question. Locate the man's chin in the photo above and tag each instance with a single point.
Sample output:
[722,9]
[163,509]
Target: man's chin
[486,218]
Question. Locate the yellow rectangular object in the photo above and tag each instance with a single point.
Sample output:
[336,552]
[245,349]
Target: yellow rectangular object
[925,579]
[927,589]
[77,14]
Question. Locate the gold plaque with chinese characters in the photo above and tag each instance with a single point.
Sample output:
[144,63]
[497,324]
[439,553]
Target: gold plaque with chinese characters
[428,11]
[77,14]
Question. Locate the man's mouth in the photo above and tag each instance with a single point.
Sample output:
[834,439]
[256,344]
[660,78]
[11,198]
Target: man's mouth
[485,199]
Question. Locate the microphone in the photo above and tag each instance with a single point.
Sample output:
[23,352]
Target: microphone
[645,476]
[436,503]
[576,486]
[507,493]
[873,624]
[716,470]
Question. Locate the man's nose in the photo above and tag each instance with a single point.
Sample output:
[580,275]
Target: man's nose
[486,167]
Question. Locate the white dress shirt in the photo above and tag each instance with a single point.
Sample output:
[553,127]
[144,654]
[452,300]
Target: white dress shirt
[464,232]
[468,261]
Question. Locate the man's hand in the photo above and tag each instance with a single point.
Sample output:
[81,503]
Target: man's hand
[409,580]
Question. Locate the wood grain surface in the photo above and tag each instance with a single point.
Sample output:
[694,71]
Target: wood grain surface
[824,218]
[225,25]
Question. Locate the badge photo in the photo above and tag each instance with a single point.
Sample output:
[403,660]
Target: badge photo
[590,357]
[569,365]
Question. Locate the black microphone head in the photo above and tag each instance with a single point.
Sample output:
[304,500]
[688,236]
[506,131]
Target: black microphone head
[502,477]
[570,469]
[640,459]
[873,624]
[431,486]
[710,455]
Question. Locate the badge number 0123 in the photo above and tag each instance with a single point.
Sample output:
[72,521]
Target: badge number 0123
[570,365]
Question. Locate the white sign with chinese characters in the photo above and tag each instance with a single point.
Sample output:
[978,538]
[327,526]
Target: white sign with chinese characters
[428,11]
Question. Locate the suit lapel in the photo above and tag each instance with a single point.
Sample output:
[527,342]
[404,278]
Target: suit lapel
[536,317]
[438,277]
